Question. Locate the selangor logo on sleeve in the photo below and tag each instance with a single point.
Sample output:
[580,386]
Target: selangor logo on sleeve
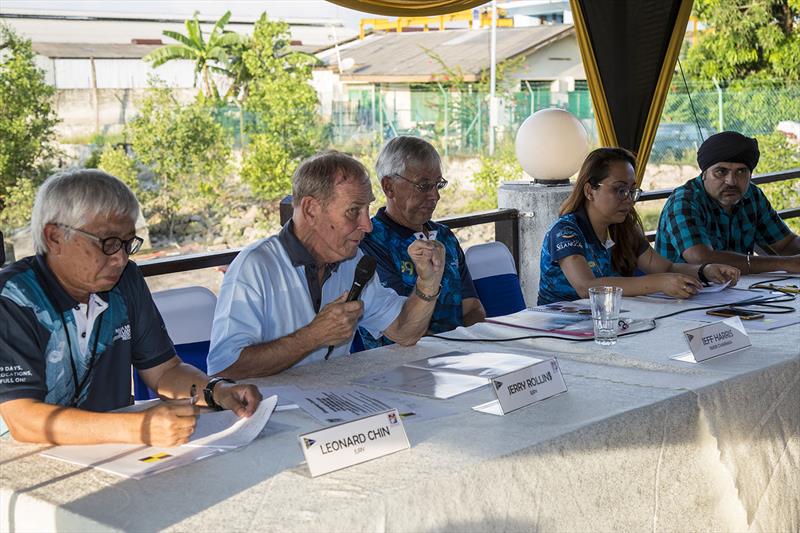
[122,333]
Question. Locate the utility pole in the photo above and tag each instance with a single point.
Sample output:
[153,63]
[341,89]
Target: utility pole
[493,79]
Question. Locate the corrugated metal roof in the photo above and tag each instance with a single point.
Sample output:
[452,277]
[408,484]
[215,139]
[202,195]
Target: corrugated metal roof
[95,50]
[403,56]
[115,50]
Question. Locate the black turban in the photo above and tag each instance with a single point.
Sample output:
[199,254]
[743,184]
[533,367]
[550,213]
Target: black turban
[728,146]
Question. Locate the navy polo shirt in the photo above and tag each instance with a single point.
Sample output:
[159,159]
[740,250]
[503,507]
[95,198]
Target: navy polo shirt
[35,358]
[388,243]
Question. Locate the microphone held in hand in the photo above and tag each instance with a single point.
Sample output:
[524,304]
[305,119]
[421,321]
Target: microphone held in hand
[365,269]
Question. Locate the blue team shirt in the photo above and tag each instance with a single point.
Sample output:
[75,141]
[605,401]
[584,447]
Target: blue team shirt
[573,234]
[389,242]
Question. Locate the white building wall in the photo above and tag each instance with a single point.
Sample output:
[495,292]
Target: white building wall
[119,73]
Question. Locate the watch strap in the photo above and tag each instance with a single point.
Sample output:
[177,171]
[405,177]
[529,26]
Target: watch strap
[208,392]
[702,277]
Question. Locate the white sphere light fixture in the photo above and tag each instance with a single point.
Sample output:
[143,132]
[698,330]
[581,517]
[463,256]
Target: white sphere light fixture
[551,145]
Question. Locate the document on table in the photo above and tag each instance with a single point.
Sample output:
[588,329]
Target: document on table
[215,433]
[576,326]
[707,289]
[342,404]
[725,297]
[431,383]
[769,322]
[478,364]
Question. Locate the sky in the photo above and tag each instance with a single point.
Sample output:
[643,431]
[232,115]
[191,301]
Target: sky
[185,8]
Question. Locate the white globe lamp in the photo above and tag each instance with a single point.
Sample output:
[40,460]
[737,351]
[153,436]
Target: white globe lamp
[551,145]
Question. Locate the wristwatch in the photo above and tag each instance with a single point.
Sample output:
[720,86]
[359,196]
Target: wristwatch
[208,392]
[701,276]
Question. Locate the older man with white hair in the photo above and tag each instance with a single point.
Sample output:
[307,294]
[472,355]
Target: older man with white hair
[78,314]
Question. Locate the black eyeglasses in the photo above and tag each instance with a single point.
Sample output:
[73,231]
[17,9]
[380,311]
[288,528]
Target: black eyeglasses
[425,187]
[111,245]
[624,193]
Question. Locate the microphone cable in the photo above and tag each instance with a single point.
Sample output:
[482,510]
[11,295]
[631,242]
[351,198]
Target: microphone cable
[749,302]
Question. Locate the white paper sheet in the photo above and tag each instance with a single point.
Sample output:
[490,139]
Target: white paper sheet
[436,384]
[728,296]
[137,461]
[479,364]
[342,404]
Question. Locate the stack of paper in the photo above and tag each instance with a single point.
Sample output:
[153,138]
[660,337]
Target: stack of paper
[215,433]
[449,374]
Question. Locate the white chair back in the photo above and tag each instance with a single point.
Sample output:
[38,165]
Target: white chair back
[489,259]
[188,313]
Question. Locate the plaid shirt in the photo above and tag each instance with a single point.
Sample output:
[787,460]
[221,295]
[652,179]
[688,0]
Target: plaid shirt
[691,217]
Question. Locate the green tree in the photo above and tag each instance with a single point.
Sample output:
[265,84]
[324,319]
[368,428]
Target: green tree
[208,55]
[27,123]
[751,48]
[116,162]
[188,154]
[746,38]
[777,153]
[468,101]
[286,126]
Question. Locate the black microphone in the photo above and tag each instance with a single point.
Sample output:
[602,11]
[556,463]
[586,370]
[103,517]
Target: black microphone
[365,269]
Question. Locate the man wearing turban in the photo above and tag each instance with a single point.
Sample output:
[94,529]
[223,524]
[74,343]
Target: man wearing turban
[720,216]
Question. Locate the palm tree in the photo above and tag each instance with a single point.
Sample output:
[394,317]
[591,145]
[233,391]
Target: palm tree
[205,54]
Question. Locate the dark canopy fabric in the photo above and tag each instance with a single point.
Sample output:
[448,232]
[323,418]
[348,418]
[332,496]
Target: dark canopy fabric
[634,47]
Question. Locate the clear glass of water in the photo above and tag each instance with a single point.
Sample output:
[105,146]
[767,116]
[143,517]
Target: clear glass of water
[605,303]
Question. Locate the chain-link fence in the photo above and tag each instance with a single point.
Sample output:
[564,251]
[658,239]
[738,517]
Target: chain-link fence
[692,114]
[456,122]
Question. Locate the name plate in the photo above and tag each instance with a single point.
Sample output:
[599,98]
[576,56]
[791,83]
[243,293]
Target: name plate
[718,338]
[525,386]
[354,442]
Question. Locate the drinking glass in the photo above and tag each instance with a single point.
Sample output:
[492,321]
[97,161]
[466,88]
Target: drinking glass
[605,302]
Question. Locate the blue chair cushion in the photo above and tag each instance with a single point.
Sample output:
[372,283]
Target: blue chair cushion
[500,295]
[191,353]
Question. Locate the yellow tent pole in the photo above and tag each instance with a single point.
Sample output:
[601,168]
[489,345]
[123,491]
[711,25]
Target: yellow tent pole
[661,89]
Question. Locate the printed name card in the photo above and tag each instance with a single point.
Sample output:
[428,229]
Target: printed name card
[525,386]
[351,443]
[718,338]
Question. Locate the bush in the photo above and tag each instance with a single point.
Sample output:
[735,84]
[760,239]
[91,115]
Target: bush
[186,153]
[503,166]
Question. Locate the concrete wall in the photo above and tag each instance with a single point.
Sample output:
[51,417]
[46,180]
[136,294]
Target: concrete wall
[538,207]
[116,107]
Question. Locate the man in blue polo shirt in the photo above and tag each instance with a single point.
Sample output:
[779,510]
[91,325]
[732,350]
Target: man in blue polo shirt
[720,216]
[410,171]
[75,317]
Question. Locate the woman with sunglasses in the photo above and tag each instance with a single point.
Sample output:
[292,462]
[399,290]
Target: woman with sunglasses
[599,240]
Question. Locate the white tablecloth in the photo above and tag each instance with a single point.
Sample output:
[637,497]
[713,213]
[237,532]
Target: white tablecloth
[639,442]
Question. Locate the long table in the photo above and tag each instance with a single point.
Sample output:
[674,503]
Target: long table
[639,442]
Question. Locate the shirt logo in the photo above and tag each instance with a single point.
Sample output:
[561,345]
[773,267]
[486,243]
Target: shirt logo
[122,333]
[568,244]
[566,235]
[407,267]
